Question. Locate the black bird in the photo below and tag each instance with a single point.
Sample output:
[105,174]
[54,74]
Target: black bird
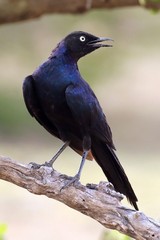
[65,105]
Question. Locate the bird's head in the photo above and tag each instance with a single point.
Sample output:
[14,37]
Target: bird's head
[79,43]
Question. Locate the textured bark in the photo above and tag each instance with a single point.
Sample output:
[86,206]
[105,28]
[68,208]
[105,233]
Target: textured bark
[18,10]
[99,202]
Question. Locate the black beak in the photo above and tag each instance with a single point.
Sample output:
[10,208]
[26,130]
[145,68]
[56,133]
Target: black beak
[97,42]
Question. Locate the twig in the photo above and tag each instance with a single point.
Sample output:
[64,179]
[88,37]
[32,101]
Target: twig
[17,10]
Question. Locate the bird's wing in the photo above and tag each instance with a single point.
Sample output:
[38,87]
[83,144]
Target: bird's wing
[34,107]
[87,112]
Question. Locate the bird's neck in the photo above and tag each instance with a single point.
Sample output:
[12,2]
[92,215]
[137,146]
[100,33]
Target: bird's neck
[62,54]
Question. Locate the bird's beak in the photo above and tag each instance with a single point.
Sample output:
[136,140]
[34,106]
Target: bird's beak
[97,42]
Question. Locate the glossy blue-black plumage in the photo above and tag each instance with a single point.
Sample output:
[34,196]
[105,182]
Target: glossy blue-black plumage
[63,103]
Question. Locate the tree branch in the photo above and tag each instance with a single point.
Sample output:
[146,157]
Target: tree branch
[18,10]
[100,202]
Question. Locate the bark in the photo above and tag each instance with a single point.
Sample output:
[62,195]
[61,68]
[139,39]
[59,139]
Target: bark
[18,10]
[99,202]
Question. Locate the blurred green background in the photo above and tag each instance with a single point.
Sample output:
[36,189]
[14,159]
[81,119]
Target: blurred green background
[126,80]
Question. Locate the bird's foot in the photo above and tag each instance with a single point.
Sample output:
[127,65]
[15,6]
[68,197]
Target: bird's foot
[71,181]
[48,164]
[34,165]
[37,166]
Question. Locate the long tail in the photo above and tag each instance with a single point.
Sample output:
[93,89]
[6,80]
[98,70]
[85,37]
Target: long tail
[113,170]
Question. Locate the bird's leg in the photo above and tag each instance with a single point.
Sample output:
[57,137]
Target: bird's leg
[76,178]
[86,148]
[50,163]
[82,164]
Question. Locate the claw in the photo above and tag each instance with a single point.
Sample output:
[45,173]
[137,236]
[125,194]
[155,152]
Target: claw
[35,165]
[72,181]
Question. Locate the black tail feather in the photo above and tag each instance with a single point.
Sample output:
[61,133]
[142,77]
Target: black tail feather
[113,170]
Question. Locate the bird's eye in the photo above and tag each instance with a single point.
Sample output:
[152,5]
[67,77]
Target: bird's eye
[82,39]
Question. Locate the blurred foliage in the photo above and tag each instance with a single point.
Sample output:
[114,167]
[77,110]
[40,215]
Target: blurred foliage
[3,229]
[11,117]
[114,235]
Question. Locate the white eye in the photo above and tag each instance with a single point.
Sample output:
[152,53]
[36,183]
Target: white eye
[82,39]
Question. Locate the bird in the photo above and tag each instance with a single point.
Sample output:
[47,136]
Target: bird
[57,96]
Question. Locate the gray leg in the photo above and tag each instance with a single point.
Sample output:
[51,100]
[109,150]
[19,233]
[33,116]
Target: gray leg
[77,176]
[82,163]
[50,163]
